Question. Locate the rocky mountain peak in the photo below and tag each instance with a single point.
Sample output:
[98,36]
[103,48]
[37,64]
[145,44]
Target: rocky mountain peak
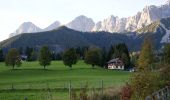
[113,23]
[26,27]
[168,2]
[54,25]
[81,23]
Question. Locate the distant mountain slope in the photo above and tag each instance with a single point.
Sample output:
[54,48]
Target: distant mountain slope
[151,28]
[162,26]
[64,37]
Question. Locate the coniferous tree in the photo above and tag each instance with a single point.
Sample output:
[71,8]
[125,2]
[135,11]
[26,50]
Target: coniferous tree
[20,50]
[59,56]
[78,52]
[53,55]
[125,59]
[28,52]
[33,56]
[143,81]
[146,55]
[110,53]
[134,59]
[104,57]
[1,55]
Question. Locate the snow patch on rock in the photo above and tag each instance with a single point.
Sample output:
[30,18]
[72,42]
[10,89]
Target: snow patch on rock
[166,37]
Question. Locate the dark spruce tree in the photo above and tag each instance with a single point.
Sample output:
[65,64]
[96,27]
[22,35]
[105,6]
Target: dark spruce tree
[70,57]
[125,55]
[1,55]
[28,52]
[110,53]
[59,56]
[78,52]
[34,56]
[104,58]
[20,50]
[44,56]
[93,56]
[81,52]
[13,58]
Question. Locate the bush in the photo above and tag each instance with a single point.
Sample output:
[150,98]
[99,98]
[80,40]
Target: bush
[126,92]
[145,83]
[95,95]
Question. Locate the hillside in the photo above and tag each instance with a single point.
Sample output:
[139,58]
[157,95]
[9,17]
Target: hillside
[64,37]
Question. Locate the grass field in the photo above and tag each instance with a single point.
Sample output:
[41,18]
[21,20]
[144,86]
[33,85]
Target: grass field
[31,76]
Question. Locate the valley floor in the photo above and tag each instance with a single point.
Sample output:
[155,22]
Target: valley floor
[31,81]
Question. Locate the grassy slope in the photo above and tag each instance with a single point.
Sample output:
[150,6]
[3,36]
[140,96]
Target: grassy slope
[31,75]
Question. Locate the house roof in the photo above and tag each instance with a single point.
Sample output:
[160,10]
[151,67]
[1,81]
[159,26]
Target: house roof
[114,60]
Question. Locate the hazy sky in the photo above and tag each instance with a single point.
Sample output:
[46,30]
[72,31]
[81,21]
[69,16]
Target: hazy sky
[44,12]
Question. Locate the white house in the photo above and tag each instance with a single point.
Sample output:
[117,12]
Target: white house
[115,64]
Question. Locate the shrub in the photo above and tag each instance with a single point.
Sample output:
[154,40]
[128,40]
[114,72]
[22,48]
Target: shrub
[126,92]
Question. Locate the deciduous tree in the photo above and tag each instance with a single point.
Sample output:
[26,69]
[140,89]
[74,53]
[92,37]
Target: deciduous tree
[93,56]
[45,56]
[70,57]
[13,58]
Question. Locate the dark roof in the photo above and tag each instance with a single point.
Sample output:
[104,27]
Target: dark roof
[114,60]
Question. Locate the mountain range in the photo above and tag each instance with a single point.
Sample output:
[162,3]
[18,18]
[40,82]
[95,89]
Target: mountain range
[63,37]
[112,24]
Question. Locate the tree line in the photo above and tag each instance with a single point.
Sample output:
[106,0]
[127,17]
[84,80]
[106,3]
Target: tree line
[91,55]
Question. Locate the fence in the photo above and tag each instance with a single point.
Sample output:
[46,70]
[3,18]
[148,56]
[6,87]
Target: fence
[48,89]
[162,94]
[60,85]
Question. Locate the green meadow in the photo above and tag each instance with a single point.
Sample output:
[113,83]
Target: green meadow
[32,81]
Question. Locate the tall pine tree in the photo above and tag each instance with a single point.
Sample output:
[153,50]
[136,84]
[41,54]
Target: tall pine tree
[146,55]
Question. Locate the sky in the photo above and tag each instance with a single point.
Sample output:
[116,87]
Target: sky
[44,12]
